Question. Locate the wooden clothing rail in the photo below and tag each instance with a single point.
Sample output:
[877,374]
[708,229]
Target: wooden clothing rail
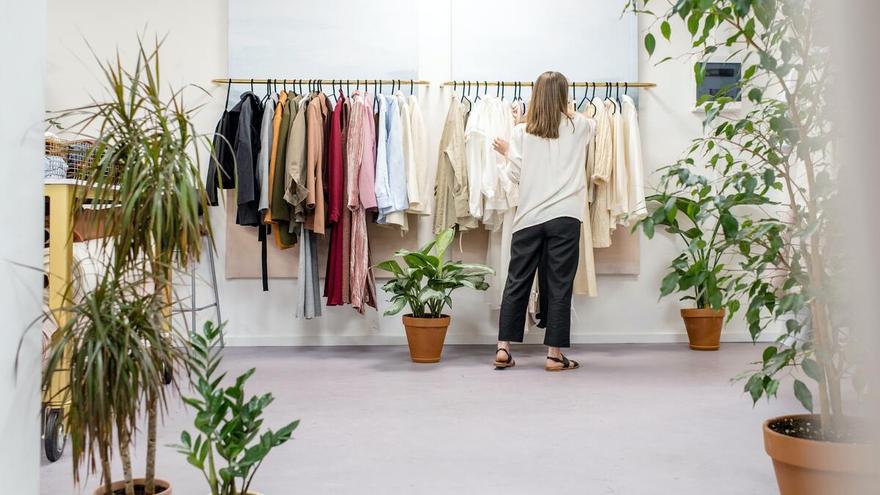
[579,84]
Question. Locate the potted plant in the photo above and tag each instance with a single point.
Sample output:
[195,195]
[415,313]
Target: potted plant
[145,161]
[425,284]
[227,446]
[700,216]
[114,347]
[793,259]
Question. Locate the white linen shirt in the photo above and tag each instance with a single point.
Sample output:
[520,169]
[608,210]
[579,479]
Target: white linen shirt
[550,172]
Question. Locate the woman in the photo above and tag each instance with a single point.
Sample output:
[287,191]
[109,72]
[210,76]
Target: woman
[546,157]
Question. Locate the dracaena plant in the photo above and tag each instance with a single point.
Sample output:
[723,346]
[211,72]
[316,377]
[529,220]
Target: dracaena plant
[229,443]
[113,348]
[783,139]
[426,282]
[145,162]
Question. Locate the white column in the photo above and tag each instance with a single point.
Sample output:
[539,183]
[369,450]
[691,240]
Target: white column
[23,52]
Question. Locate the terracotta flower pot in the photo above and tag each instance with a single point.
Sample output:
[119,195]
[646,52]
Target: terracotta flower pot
[703,328]
[162,487]
[425,337]
[811,467]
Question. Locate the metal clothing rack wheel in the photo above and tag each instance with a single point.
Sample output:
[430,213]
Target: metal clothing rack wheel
[54,433]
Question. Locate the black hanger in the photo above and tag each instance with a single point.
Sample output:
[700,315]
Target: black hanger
[586,90]
[497,89]
[252,85]
[228,90]
[501,83]
[477,94]
[376,96]
[411,84]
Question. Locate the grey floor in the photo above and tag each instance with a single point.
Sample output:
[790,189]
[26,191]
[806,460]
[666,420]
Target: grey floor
[637,419]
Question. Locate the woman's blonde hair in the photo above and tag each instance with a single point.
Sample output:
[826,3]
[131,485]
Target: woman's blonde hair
[549,103]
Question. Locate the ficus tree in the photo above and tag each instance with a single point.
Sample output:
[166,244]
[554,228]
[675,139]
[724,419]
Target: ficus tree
[778,150]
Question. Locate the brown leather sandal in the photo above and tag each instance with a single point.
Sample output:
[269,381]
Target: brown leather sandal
[508,363]
[567,364]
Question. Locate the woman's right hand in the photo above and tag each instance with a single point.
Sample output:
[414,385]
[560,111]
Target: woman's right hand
[501,146]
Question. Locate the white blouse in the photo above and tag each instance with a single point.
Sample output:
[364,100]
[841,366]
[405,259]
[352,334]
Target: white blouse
[550,172]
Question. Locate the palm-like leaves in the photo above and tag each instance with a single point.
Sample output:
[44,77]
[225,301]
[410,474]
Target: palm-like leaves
[145,160]
[117,345]
[145,164]
[426,282]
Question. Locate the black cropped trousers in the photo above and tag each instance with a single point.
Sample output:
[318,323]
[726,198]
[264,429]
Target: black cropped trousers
[551,248]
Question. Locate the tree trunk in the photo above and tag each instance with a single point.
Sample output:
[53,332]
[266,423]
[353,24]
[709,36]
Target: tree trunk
[829,387]
[125,457]
[106,471]
[150,472]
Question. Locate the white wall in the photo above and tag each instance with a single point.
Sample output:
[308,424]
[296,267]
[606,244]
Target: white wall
[22,50]
[626,310]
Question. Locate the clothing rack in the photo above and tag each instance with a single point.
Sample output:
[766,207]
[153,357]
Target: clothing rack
[403,82]
[579,84]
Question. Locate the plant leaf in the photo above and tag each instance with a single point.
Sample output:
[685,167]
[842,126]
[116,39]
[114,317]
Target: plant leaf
[804,395]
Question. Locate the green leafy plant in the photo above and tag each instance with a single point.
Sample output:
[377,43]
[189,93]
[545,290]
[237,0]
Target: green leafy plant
[114,348]
[780,149]
[703,218]
[145,162]
[426,283]
[228,445]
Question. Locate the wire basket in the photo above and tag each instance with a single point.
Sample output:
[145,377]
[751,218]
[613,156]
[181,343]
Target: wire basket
[66,159]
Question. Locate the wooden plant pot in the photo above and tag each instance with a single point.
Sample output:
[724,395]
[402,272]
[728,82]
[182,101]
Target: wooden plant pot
[703,328]
[425,337]
[812,467]
[162,487]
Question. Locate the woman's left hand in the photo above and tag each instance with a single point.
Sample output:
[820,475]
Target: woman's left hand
[501,146]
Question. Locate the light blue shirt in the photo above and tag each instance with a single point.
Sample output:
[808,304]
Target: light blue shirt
[390,169]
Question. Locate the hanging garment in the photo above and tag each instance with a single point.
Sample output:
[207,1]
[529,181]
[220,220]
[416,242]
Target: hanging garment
[273,154]
[602,168]
[499,120]
[635,167]
[308,300]
[421,203]
[279,209]
[499,195]
[585,278]
[221,168]
[451,192]
[413,190]
[266,139]
[316,118]
[390,168]
[478,153]
[361,155]
[620,175]
[346,212]
[295,190]
[246,147]
[335,205]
